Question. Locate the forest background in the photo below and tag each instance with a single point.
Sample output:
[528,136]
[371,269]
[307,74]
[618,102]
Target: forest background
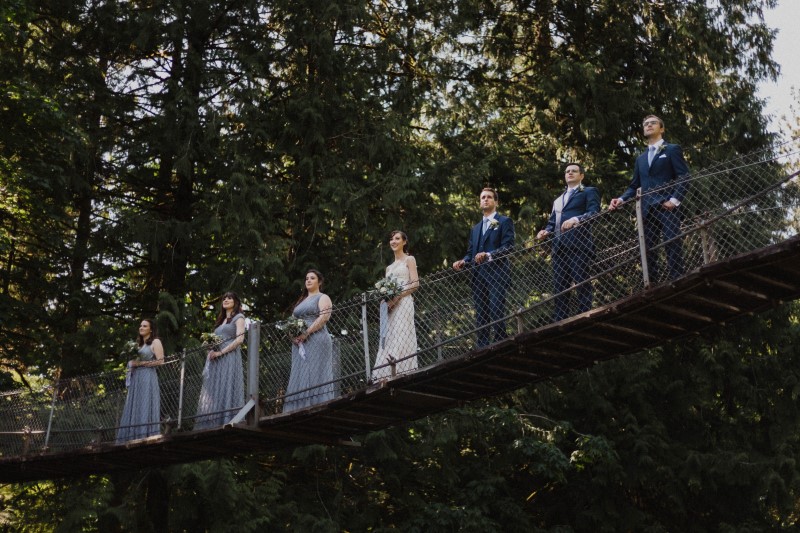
[156,154]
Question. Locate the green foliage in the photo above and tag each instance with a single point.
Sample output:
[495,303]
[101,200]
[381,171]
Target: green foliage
[154,155]
[697,436]
[55,506]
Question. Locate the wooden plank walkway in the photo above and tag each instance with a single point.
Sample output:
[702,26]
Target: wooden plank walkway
[713,294]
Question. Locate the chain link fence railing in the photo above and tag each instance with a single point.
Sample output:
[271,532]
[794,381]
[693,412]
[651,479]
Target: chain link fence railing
[731,208]
[24,419]
[85,411]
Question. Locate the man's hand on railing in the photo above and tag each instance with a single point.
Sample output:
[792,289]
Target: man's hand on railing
[570,223]
[615,203]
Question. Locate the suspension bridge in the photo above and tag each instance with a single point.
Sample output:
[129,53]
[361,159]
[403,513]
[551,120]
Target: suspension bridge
[740,244]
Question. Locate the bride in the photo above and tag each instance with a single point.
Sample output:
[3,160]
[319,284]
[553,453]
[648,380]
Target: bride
[401,335]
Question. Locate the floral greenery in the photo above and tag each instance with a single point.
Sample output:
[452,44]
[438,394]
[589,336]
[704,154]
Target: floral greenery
[210,341]
[131,350]
[292,326]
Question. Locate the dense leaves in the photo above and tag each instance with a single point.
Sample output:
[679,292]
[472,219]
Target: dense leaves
[156,153]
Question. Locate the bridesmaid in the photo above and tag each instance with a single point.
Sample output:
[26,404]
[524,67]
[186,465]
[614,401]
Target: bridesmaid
[400,341]
[312,350]
[222,394]
[141,416]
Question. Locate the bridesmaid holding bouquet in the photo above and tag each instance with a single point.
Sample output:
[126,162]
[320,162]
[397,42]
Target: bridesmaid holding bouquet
[222,394]
[310,380]
[141,416]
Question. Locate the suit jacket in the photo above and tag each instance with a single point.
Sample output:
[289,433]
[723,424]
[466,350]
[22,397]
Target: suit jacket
[668,166]
[582,204]
[497,241]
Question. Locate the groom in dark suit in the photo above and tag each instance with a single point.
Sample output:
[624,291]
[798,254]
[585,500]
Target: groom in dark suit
[490,241]
[662,174]
[573,246]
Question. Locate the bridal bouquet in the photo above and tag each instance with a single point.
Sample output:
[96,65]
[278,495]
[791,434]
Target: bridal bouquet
[292,326]
[388,287]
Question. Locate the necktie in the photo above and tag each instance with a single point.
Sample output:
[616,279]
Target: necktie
[564,200]
[651,153]
[485,225]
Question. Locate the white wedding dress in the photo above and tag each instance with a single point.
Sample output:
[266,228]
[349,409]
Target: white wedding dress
[401,334]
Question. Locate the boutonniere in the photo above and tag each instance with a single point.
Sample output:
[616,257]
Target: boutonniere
[494,224]
[581,187]
[661,148]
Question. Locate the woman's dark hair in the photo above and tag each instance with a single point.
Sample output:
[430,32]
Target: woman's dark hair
[304,292]
[404,237]
[223,315]
[153,333]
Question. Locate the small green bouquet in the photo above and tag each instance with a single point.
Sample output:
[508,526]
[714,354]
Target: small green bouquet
[131,351]
[292,326]
[210,341]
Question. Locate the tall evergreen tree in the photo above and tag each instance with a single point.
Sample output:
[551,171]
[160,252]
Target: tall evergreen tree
[157,153]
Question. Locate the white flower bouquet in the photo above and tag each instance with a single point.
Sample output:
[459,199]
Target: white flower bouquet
[388,287]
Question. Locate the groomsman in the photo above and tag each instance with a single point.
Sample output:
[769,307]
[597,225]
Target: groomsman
[490,241]
[573,246]
[662,170]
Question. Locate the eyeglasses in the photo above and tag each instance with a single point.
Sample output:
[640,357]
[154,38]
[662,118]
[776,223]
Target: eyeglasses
[650,123]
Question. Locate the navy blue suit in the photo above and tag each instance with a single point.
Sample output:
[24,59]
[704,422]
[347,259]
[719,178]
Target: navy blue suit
[490,279]
[573,250]
[667,173]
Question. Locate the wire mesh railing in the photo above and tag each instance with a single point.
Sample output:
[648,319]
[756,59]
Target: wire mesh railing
[731,208]
[85,411]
